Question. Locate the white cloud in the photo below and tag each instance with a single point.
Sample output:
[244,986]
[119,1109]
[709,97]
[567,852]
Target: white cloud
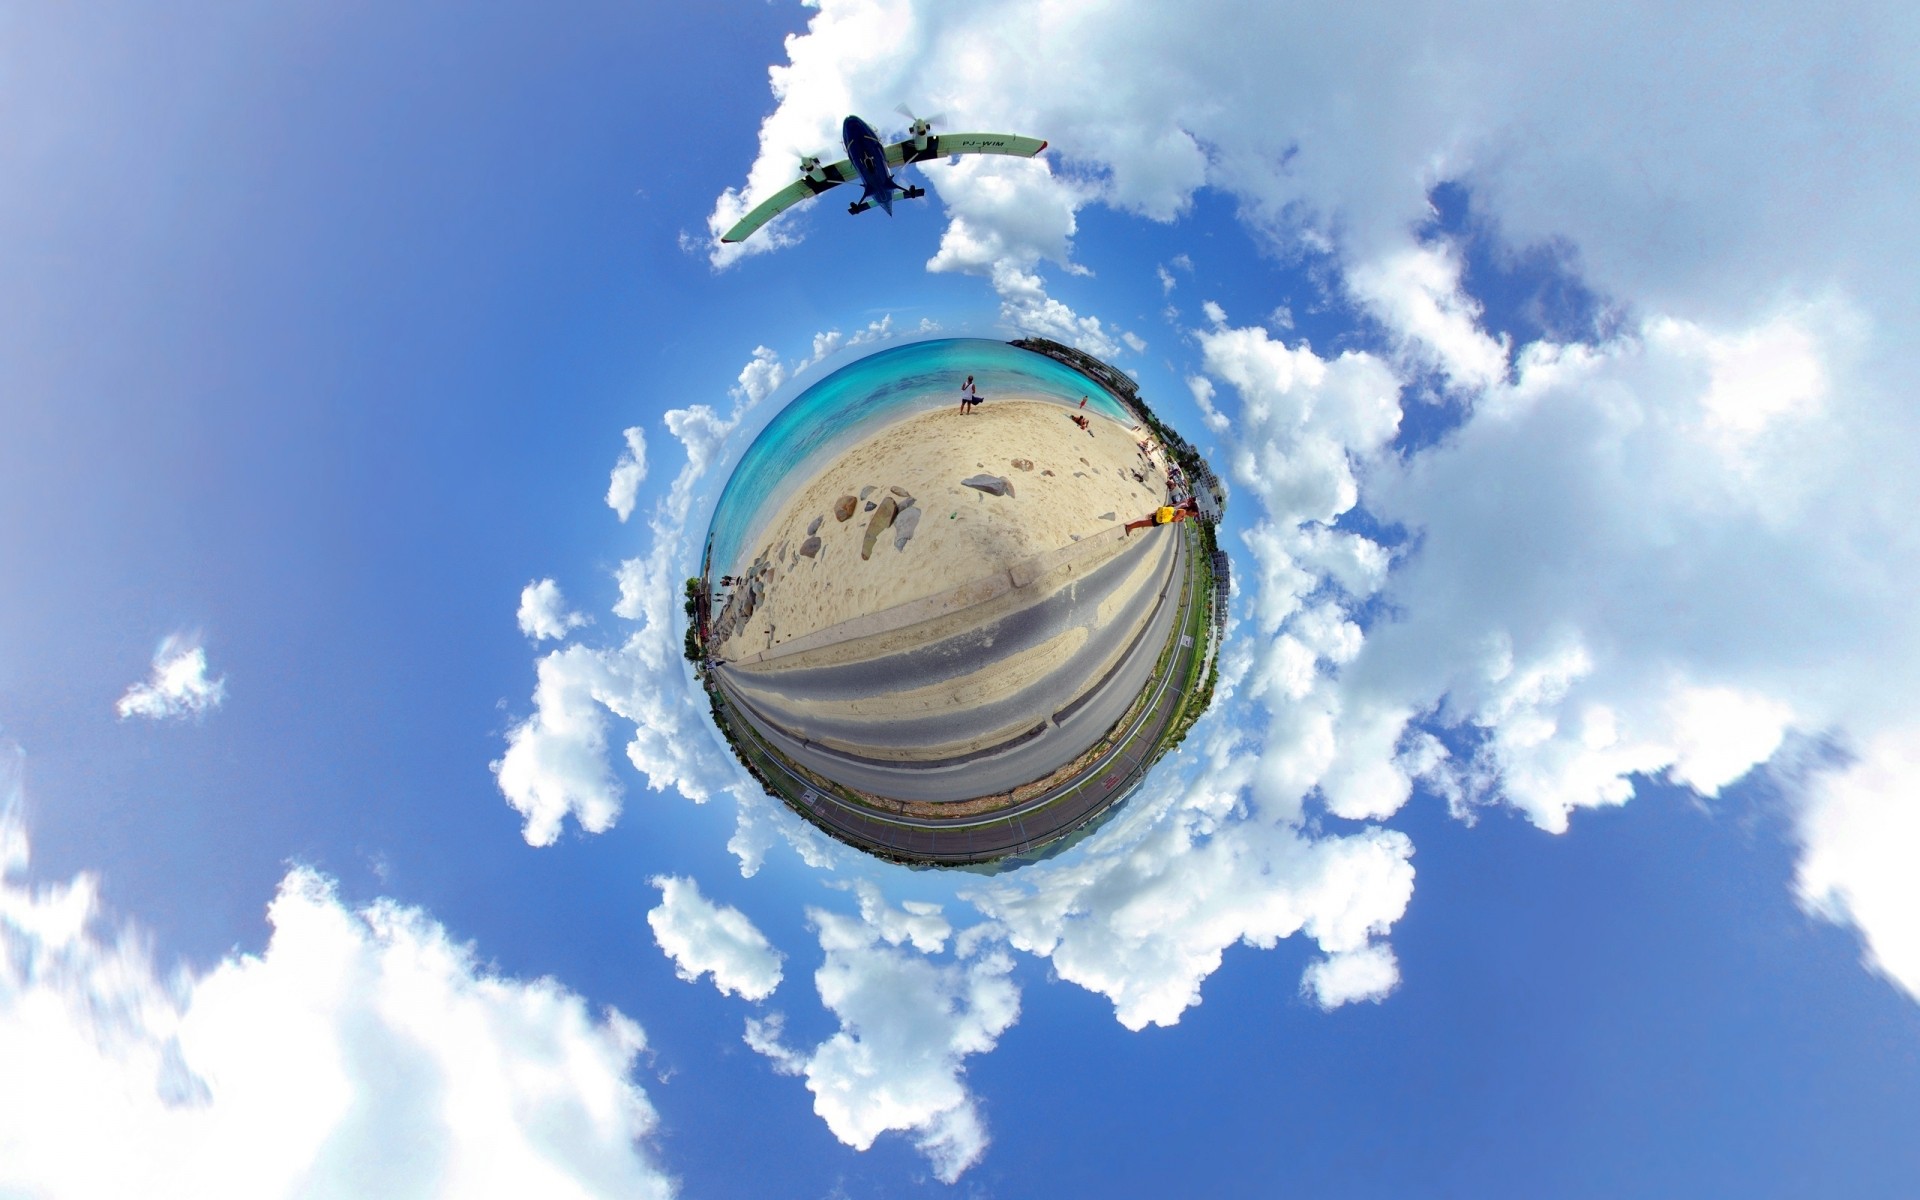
[1144,916]
[178,685]
[623,488]
[704,938]
[1026,308]
[1688,192]
[556,760]
[1006,218]
[916,922]
[544,613]
[1368,973]
[555,764]
[1860,829]
[1415,291]
[1647,557]
[1656,555]
[1579,593]
[906,1025]
[1003,211]
[1302,424]
[364,1052]
[1608,590]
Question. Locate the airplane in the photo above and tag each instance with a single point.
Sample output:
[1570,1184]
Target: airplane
[869,162]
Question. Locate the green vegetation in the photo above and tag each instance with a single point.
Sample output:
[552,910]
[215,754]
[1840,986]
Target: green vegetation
[695,649]
[1194,700]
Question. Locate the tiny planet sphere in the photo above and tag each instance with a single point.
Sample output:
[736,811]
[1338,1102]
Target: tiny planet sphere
[958,597]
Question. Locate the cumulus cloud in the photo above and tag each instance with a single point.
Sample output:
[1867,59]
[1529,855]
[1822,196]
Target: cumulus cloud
[1655,555]
[363,1052]
[629,473]
[906,1025]
[1860,826]
[1005,216]
[1146,914]
[1643,558]
[1164,272]
[544,613]
[555,764]
[1026,307]
[1416,292]
[1611,588]
[177,687]
[1561,127]
[1368,973]
[1004,219]
[704,938]
[1661,552]
[1572,606]
[556,759]
[1581,592]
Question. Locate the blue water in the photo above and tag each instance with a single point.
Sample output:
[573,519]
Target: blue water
[866,395]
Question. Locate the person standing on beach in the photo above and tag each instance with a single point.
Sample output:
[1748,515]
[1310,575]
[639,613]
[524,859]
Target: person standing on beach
[968,397]
[1083,402]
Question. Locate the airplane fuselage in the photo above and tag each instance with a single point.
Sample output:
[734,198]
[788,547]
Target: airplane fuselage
[872,163]
[869,157]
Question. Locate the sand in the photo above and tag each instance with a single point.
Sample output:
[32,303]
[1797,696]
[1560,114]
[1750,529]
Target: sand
[1096,483]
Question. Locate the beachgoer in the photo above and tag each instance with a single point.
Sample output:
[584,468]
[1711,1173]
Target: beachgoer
[1083,402]
[966,394]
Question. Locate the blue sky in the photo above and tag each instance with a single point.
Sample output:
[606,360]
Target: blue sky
[1552,833]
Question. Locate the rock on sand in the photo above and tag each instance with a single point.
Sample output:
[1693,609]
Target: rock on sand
[843,508]
[882,517]
[903,527]
[993,485]
[811,546]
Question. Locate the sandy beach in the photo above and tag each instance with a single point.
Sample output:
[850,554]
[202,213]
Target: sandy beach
[923,530]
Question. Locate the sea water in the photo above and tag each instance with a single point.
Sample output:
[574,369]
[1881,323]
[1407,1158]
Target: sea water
[865,396]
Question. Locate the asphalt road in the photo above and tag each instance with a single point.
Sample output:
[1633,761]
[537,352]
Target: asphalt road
[1063,735]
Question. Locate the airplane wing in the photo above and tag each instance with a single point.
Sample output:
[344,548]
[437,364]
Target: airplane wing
[800,189]
[942,145]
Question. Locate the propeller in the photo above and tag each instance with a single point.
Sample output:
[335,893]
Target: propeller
[810,167]
[921,125]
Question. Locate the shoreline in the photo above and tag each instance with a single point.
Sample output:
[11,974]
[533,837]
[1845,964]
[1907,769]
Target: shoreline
[891,520]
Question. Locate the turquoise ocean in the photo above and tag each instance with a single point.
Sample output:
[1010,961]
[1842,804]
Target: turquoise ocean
[864,396]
